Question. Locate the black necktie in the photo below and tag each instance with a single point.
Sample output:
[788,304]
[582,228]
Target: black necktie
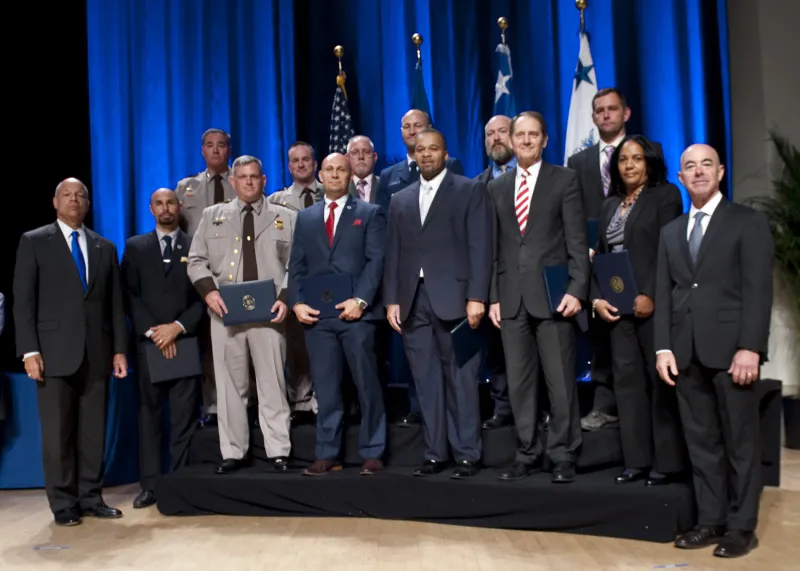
[167,248]
[219,192]
[308,198]
[250,269]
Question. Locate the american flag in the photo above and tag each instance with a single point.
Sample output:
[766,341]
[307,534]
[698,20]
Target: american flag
[341,124]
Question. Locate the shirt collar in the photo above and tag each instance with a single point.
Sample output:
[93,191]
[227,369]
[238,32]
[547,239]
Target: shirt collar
[615,143]
[340,202]
[709,207]
[533,170]
[257,205]
[67,231]
[496,169]
[210,175]
[367,179]
[173,235]
[435,182]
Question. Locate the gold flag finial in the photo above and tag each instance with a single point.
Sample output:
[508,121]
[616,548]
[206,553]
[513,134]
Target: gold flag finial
[502,23]
[338,51]
[581,5]
[417,39]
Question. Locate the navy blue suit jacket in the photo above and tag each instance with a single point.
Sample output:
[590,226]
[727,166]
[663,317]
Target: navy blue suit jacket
[453,247]
[398,176]
[358,249]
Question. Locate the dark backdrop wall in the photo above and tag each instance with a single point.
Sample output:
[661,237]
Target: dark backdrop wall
[129,86]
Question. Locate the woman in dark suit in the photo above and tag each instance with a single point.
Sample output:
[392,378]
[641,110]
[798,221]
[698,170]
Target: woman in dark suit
[640,202]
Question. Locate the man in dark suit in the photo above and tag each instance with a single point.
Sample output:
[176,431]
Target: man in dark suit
[610,113]
[438,266]
[498,148]
[342,235]
[163,306]
[539,222]
[70,328]
[712,318]
[362,156]
[395,178]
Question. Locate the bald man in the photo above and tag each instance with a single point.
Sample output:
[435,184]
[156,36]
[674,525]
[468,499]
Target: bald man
[163,307]
[71,334]
[342,235]
[712,316]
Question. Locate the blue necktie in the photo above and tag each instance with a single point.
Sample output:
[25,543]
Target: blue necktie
[77,255]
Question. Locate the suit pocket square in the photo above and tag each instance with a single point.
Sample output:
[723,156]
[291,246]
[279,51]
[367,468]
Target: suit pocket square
[357,222]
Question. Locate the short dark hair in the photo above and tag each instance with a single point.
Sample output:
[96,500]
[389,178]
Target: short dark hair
[303,144]
[608,91]
[531,115]
[215,132]
[654,165]
[432,131]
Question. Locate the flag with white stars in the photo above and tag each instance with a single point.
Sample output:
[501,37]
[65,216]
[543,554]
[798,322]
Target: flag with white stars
[581,130]
[503,96]
[341,124]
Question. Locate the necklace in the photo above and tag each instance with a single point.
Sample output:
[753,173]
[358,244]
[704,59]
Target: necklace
[631,200]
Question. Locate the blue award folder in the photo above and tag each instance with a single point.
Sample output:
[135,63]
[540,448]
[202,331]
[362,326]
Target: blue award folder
[185,363]
[556,282]
[468,341]
[248,302]
[592,234]
[325,291]
[616,280]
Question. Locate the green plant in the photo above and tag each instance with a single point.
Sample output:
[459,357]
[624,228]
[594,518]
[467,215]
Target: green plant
[782,209]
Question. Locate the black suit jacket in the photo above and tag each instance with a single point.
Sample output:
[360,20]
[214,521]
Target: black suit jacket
[486,176]
[453,247]
[555,234]
[654,208]
[587,165]
[724,302]
[155,294]
[52,313]
[397,177]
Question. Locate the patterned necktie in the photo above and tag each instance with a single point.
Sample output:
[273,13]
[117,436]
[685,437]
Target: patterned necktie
[249,263]
[522,202]
[219,193]
[77,255]
[503,168]
[308,198]
[330,222]
[696,237]
[605,172]
[362,190]
[167,249]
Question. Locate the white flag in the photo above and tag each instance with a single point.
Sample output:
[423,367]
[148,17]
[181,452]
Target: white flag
[581,131]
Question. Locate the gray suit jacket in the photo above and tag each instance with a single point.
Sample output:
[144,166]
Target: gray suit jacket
[215,256]
[196,193]
[373,189]
[290,197]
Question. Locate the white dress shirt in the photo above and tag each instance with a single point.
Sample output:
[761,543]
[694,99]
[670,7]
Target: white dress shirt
[533,176]
[367,186]
[615,143]
[162,245]
[427,192]
[337,212]
[708,210]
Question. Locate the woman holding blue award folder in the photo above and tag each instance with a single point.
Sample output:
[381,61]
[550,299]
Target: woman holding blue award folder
[640,201]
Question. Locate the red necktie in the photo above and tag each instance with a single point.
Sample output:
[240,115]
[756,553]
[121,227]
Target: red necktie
[329,223]
[522,202]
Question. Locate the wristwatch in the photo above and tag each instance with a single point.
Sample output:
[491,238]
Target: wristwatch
[362,305]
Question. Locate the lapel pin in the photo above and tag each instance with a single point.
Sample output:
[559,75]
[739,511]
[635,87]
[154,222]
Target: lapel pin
[180,247]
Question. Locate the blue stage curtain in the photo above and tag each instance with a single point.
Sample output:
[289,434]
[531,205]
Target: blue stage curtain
[160,73]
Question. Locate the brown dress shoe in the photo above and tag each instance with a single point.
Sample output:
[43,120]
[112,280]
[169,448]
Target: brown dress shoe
[371,466]
[321,467]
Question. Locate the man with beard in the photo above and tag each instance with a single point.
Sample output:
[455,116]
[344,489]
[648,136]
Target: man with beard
[163,306]
[610,113]
[362,156]
[498,148]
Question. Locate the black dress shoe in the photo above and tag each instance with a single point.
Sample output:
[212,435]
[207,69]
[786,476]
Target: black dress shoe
[230,465]
[496,422]
[145,499]
[736,543]
[465,469]
[659,479]
[630,475]
[430,467]
[303,418]
[597,420]
[280,464]
[563,473]
[409,420]
[700,536]
[102,511]
[67,517]
[519,471]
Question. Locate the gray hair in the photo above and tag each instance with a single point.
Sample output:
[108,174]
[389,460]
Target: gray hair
[246,160]
[353,140]
[215,132]
[60,184]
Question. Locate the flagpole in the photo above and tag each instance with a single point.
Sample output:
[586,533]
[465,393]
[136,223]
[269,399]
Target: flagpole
[502,23]
[417,40]
[581,5]
[338,51]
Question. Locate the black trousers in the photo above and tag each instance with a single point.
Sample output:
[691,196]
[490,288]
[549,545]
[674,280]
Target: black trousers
[495,366]
[649,421]
[721,423]
[605,398]
[184,404]
[528,343]
[72,413]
